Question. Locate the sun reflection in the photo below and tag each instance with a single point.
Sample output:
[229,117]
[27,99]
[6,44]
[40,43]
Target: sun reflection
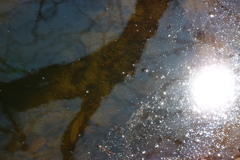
[213,88]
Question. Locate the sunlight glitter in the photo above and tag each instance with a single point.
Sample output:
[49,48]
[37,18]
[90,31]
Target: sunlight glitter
[213,88]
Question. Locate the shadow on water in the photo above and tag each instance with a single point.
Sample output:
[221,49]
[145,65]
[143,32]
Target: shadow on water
[91,78]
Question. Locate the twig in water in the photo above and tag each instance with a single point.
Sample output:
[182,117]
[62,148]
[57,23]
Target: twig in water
[105,150]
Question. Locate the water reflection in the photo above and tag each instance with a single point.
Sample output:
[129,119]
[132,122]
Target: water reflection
[91,78]
[166,126]
[142,73]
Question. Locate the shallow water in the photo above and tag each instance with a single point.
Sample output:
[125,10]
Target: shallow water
[76,75]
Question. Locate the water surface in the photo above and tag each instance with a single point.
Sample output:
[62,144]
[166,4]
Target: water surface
[76,75]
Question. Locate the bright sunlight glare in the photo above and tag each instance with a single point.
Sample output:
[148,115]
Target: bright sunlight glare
[213,88]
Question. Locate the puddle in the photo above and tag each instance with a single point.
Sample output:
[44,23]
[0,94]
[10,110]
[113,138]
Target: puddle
[112,79]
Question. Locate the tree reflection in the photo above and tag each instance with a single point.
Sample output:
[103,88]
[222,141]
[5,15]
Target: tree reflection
[91,78]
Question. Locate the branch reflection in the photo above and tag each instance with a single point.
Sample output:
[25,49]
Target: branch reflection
[91,78]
